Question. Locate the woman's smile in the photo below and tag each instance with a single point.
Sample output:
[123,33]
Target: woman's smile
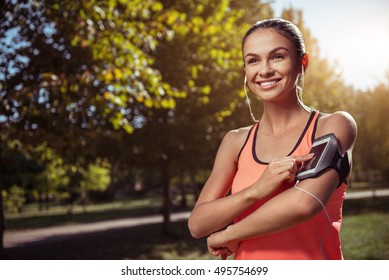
[268,83]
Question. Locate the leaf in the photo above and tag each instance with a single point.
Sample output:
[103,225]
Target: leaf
[157,7]
[118,73]
[206,90]
[149,103]
[128,128]
[108,77]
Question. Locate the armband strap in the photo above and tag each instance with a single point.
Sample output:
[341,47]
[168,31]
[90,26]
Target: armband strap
[342,165]
[326,155]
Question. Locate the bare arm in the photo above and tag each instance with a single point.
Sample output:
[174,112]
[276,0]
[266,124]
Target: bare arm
[214,210]
[271,217]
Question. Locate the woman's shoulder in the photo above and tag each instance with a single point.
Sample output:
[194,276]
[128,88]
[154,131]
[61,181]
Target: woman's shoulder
[337,119]
[342,124]
[239,134]
[236,138]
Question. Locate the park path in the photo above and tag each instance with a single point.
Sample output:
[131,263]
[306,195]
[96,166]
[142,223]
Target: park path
[25,237]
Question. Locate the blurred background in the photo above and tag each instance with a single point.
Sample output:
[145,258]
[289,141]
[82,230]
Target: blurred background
[112,111]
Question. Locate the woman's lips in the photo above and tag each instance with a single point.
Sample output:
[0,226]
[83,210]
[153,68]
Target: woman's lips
[269,83]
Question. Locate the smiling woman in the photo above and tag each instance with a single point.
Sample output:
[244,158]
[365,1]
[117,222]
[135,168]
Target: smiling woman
[267,214]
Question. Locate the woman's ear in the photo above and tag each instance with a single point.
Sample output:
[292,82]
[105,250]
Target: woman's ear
[305,60]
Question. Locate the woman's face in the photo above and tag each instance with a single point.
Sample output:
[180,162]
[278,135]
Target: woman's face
[271,65]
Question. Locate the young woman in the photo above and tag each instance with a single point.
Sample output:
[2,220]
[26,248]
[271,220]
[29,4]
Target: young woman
[268,215]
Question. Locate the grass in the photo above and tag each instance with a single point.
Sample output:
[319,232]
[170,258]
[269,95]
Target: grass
[365,234]
[365,229]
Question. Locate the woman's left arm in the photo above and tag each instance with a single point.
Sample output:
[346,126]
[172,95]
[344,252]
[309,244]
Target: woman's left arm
[292,206]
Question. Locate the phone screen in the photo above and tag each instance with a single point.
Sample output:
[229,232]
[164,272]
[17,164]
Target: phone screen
[317,150]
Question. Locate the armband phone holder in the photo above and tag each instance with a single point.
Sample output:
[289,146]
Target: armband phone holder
[326,155]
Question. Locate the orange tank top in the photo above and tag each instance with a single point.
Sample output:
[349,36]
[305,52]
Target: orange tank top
[313,239]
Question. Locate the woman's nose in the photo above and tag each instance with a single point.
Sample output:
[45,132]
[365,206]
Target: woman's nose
[265,70]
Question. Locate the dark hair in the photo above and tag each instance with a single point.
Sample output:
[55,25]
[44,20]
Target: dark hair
[285,28]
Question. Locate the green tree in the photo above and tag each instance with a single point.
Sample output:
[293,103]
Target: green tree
[71,71]
[203,60]
[17,167]
[95,179]
[372,148]
[93,70]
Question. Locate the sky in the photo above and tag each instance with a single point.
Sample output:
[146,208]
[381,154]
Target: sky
[353,34]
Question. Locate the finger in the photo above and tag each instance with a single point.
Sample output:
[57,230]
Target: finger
[214,251]
[304,158]
[294,164]
[286,166]
[287,172]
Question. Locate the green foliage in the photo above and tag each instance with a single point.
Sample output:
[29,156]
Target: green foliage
[41,174]
[372,148]
[14,199]
[96,177]
[205,62]
[100,66]
[18,165]
[55,178]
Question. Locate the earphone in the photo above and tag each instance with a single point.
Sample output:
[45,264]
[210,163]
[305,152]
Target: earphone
[325,211]
[247,99]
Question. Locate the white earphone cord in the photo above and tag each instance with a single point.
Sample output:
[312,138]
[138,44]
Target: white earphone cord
[325,211]
[248,100]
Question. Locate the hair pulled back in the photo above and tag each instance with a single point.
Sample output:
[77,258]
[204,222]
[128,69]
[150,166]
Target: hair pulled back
[285,28]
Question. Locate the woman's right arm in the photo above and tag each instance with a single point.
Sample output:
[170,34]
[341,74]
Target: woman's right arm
[214,210]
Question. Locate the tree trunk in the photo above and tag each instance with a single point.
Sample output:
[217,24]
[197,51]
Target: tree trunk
[166,210]
[2,224]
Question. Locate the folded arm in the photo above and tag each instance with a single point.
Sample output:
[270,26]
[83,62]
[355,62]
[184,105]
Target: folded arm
[214,210]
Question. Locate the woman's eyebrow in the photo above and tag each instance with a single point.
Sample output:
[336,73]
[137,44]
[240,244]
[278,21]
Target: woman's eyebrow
[272,51]
[278,49]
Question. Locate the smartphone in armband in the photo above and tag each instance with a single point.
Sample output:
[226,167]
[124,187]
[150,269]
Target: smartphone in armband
[326,155]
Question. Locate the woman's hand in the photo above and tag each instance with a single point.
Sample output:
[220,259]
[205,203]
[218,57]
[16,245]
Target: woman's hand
[218,245]
[277,172]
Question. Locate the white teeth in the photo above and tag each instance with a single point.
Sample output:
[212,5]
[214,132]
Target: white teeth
[267,84]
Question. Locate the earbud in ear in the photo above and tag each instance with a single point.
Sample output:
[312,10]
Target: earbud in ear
[305,61]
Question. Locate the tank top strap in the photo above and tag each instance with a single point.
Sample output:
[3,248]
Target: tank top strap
[308,136]
[249,139]
[311,130]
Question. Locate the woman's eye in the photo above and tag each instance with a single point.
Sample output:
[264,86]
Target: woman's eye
[252,60]
[278,56]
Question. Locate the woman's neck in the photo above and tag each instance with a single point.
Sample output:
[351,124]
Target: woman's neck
[277,118]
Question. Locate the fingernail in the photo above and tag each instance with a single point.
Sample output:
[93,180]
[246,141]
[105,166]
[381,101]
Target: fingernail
[311,155]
